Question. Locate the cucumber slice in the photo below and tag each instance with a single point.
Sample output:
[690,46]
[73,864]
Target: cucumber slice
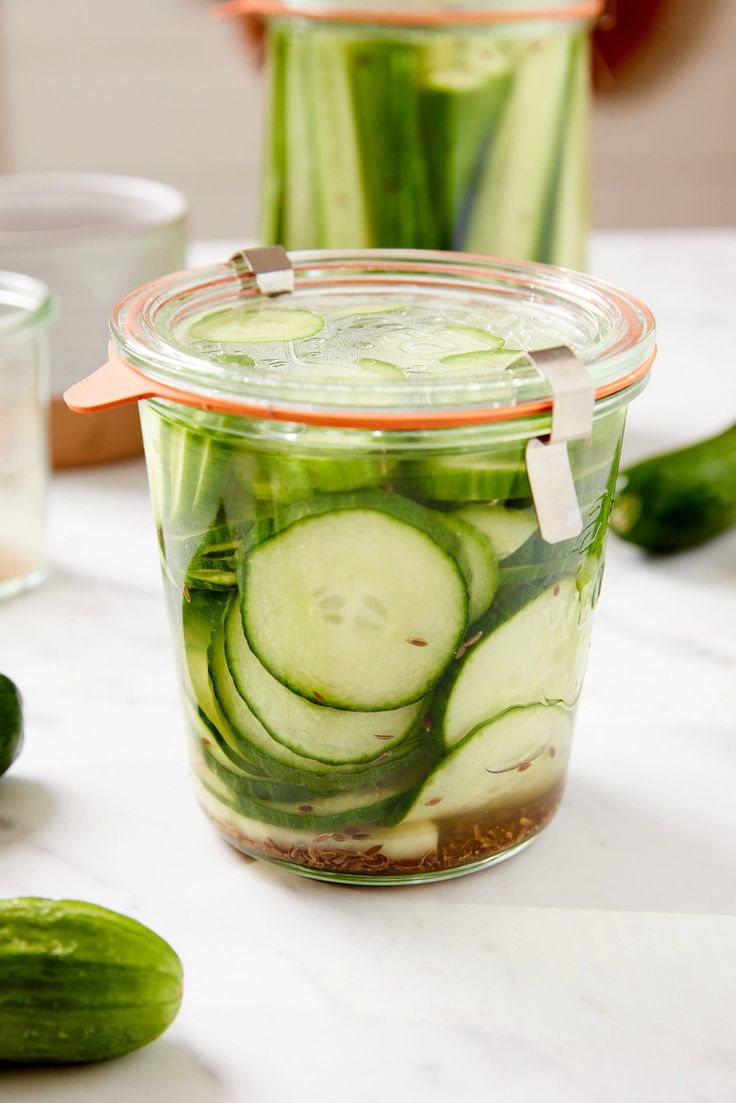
[538,655]
[250,735]
[360,309]
[275,480]
[398,843]
[491,342]
[210,752]
[201,615]
[380,368]
[359,606]
[478,563]
[501,475]
[321,812]
[327,735]
[241,738]
[481,477]
[518,756]
[485,360]
[188,469]
[364,369]
[211,577]
[506,529]
[243,325]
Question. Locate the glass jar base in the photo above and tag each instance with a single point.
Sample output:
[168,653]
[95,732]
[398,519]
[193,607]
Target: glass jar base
[10,587]
[451,858]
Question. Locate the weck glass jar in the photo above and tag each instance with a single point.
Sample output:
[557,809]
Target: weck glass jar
[381,602]
[428,125]
[25,312]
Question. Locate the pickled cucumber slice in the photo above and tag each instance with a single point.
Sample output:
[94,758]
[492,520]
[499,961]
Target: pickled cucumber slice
[506,529]
[374,608]
[397,843]
[536,656]
[490,360]
[480,477]
[261,325]
[325,734]
[516,757]
[478,562]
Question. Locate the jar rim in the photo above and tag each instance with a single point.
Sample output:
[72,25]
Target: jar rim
[424,14]
[42,210]
[613,334]
[25,302]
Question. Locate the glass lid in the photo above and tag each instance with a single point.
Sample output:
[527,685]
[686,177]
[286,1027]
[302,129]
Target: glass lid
[417,335]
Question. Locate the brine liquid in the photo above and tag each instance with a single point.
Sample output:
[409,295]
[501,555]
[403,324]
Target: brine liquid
[23,466]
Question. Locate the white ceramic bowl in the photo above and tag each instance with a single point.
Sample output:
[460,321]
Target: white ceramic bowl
[91,239]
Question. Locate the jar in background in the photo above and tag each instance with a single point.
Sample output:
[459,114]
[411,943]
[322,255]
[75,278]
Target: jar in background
[90,238]
[25,312]
[428,125]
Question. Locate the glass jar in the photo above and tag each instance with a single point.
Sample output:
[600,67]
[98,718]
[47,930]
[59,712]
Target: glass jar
[381,642]
[429,126]
[25,311]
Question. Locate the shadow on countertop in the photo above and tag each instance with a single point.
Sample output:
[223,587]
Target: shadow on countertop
[25,806]
[166,1071]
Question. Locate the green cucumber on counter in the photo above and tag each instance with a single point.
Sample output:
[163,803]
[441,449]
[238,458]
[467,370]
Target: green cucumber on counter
[80,983]
[11,723]
[680,499]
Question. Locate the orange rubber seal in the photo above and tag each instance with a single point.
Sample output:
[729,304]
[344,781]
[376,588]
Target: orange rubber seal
[584,10]
[117,383]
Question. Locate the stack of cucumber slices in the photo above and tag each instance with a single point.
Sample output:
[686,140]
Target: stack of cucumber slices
[364,667]
[378,645]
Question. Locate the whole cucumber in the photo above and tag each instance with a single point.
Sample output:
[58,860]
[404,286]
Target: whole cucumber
[679,499]
[80,983]
[11,723]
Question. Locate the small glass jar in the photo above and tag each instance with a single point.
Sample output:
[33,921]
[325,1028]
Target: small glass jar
[25,311]
[381,641]
[428,125]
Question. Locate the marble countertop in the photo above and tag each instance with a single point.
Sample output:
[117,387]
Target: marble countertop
[599,966]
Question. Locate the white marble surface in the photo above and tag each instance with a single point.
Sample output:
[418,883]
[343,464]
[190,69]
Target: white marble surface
[597,967]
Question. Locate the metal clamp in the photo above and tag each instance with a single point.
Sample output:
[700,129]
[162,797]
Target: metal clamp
[271,267]
[548,463]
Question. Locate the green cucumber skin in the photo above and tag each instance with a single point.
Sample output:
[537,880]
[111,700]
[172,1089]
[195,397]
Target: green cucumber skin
[431,160]
[79,983]
[680,499]
[11,723]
